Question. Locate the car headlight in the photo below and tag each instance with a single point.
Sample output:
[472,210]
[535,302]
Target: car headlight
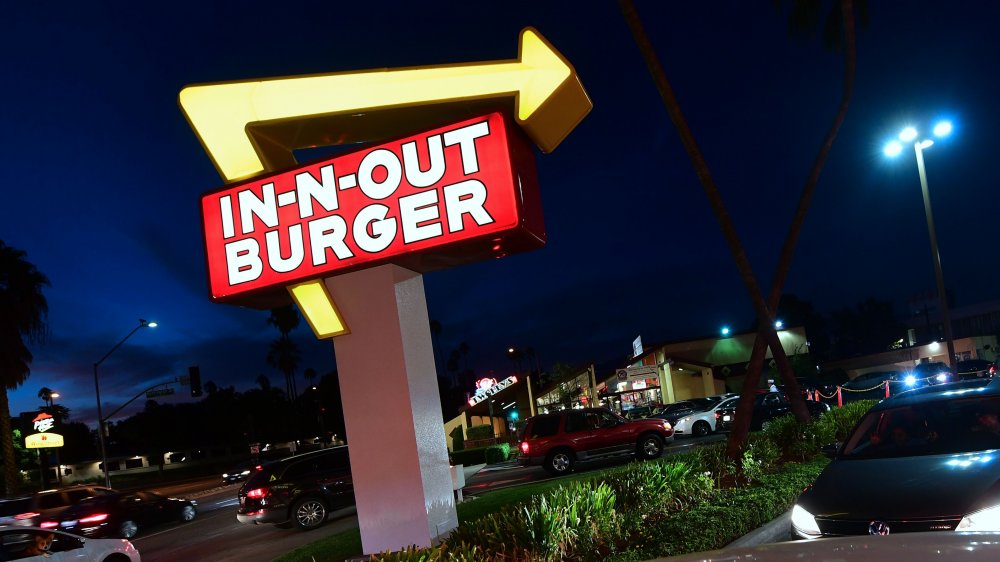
[910,380]
[683,420]
[942,378]
[983,520]
[804,522]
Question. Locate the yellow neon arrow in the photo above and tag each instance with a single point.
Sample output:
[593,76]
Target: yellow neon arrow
[249,127]
[549,99]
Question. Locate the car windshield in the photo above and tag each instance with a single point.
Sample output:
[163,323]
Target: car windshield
[961,425]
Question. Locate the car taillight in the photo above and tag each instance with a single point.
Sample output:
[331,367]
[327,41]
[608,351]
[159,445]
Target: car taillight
[48,524]
[95,518]
[717,416]
[29,515]
[993,370]
[524,447]
[257,493]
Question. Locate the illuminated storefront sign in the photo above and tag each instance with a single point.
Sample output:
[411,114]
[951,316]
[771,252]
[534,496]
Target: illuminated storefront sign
[455,194]
[488,387]
[43,423]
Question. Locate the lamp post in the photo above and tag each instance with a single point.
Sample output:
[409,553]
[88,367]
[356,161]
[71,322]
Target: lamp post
[97,388]
[894,148]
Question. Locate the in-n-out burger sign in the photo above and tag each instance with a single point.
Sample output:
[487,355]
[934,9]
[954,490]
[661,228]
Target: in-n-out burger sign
[488,387]
[459,193]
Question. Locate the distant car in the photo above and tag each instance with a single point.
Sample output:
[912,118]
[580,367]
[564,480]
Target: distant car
[975,369]
[239,472]
[933,372]
[675,411]
[640,412]
[766,407]
[14,544]
[871,385]
[925,460]
[704,422]
[44,509]
[300,490]
[559,440]
[124,514]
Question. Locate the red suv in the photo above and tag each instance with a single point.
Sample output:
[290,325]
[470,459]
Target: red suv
[559,440]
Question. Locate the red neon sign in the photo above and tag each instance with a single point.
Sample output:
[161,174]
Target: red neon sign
[460,193]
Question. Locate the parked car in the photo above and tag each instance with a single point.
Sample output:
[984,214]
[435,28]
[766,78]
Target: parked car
[921,461]
[675,411]
[15,543]
[239,472]
[640,412]
[704,422]
[123,514]
[871,386]
[766,407]
[300,490]
[975,369]
[559,440]
[933,372]
[44,509]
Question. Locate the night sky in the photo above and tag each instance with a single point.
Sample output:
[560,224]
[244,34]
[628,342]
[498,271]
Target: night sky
[103,175]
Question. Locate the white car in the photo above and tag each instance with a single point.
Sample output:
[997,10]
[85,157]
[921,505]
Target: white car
[36,544]
[700,424]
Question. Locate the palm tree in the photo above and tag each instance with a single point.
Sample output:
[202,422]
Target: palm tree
[23,318]
[767,336]
[46,395]
[284,354]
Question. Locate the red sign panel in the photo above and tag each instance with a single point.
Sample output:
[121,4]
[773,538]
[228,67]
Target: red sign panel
[456,194]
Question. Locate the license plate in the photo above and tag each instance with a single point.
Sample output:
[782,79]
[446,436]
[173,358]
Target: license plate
[67,523]
[726,418]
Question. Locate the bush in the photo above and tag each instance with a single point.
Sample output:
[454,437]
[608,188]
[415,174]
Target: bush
[834,425]
[457,439]
[657,486]
[482,455]
[480,432]
[795,440]
[570,521]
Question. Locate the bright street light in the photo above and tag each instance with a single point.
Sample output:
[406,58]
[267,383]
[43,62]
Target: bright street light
[725,330]
[97,388]
[910,134]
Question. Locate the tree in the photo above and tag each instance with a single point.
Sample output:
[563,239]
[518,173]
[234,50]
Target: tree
[23,320]
[767,336]
[283,353]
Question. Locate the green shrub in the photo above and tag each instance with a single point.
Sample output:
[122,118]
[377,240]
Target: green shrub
[712,459]
[834,425]
[760,457]
[497,453]
[477,432]
[457,439]
[571,521]
[657,486]
[482,455]
[795,439]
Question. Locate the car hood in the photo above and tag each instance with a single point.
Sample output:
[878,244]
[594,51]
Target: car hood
[930,486]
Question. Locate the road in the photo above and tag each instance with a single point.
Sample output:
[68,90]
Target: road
[216,535]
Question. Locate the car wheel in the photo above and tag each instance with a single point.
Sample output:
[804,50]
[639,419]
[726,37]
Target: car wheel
[309,513]
[559,462]
[701,429]
[650,446]
[128,529]
[188,513]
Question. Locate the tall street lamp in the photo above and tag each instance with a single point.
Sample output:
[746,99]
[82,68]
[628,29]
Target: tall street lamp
[97,388]
[894,148]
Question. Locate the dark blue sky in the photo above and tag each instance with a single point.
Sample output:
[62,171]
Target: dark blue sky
[103,175]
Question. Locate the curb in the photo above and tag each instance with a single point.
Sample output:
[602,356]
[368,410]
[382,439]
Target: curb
[777,530]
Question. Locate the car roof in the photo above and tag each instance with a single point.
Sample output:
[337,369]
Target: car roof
[304,456]
[978,387]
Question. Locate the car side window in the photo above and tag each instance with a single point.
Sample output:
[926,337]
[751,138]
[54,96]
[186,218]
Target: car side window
[64,543]
[545,427]
[335,461]
[48,501]
[76,496]
[608,420]
[576,421]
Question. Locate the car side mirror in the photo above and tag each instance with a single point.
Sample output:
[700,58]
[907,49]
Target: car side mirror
[830,450]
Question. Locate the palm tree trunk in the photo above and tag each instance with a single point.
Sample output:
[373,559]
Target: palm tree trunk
[766,325]
[10,478]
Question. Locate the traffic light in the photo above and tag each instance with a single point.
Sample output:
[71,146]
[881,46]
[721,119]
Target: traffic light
[194,375]
[514,415]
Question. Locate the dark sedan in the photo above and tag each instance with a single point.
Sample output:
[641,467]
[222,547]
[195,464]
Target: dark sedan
[926,460]
[766,407]
[124,514]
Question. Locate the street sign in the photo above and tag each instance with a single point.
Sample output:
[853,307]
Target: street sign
[160,392]
[637,373]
